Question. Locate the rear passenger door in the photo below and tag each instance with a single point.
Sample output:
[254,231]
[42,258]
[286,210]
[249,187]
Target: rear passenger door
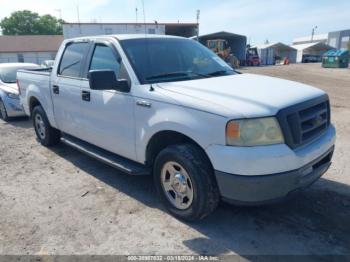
[107,115]
[66,88]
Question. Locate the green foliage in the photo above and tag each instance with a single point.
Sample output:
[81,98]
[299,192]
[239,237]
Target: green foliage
[29,23]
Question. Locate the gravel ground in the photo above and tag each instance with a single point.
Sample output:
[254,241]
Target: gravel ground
[59,201]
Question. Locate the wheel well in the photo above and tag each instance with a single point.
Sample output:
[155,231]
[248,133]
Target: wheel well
[163,139]
[33,102]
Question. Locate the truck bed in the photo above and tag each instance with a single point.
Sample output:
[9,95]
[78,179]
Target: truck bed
[39,81]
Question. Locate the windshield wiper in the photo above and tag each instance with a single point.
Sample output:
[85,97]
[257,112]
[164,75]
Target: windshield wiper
[177,74]
[219,72]
[170,74]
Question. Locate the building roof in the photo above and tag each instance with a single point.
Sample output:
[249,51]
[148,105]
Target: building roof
[318,37]
[274,45]
[317,45]
[30,43]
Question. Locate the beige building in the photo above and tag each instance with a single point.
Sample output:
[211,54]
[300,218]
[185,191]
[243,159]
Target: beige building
[29,48]
[71,30]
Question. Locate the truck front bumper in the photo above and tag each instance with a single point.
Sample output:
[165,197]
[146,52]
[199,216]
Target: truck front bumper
[253,190]
[266,173]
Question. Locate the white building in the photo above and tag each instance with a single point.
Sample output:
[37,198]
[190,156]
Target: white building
[71,30]
[323,38]
[270,53]
[29,48]
[311,49]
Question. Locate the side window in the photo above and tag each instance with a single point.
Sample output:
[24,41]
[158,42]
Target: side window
[72,59]
[104,58]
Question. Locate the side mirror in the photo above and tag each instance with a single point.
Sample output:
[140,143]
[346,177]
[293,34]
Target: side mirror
[106,80]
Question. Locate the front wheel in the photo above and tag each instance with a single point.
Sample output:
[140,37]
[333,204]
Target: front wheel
[47,135]
[185,182]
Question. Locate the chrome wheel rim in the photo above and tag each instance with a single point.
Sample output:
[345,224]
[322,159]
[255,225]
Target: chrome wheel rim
[177,185]
[39,126]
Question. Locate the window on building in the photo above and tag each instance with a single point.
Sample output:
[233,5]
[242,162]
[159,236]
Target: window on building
[345,39]
[151,30]
[104,58]
[72,59]
[344,42]
[20,58]
[333,42]
[108,31]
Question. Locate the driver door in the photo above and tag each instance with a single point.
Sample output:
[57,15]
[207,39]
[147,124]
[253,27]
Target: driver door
[107,118]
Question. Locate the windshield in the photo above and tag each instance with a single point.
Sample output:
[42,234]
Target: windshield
[172,59]
[9,75]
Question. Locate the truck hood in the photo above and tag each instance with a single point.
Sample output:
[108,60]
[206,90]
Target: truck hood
[241,95]
[9,88]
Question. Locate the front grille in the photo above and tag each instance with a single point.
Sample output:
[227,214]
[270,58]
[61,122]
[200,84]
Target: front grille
[304,122]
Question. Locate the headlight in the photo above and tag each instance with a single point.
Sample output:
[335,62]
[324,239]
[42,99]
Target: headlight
[253,132]
[13,96]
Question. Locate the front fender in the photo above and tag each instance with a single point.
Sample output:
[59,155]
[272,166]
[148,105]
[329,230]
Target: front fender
[202,127]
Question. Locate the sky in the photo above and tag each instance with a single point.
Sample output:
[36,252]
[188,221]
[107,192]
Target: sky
[259,20]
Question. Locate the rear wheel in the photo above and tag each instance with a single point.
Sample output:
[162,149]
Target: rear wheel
[47,135]
[185,182]
[3,112]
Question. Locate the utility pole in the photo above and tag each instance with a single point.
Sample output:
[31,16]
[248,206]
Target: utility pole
[78,19]
[313,33]
[197,18]
[136,15]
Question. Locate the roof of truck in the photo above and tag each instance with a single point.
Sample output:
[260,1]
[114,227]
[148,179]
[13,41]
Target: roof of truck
[127,36]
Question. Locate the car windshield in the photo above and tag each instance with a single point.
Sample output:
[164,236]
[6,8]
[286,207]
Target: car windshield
[172,59]
[9,74]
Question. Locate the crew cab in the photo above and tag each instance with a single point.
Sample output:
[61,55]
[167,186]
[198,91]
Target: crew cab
[170,107]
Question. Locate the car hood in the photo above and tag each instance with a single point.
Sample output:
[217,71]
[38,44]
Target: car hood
[9,88]
[241,95]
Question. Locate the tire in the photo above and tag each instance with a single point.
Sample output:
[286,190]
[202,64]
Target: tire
[3,112]
[189,162]
[47,135]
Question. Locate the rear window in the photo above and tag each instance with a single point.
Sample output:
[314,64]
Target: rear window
[72,58]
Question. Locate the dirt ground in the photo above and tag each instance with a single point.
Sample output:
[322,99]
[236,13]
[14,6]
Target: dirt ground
[59,201]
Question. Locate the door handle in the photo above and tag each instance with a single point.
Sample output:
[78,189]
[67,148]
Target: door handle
[56,89]
[143,103]
[85,95]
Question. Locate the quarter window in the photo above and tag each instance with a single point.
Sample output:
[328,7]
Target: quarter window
[104,58]
[72,59]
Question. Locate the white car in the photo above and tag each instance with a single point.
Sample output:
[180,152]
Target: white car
[9,99]
[170,107]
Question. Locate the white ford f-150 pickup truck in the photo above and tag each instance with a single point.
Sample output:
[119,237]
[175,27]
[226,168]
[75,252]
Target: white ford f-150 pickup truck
[170,107]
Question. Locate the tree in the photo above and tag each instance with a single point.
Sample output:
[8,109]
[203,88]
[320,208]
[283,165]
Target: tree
[30,23]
